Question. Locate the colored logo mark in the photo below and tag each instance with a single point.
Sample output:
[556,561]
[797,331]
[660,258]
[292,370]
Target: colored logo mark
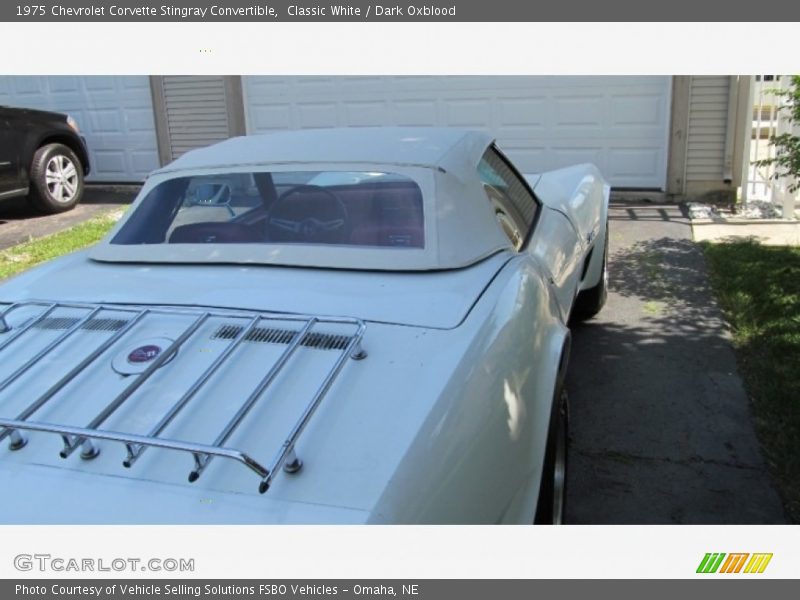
[144,353]
[735,562]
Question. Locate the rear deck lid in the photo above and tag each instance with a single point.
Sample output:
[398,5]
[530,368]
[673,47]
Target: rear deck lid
[438,299]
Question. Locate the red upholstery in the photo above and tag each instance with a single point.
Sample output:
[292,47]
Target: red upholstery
[387,235]
[385,215]
[215,233]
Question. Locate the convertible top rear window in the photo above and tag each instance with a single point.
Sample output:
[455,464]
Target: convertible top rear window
[351,208]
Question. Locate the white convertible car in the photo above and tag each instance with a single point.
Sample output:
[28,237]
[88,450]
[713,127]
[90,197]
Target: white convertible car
[332,326]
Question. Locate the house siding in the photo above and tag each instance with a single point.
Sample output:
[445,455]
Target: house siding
[707,132]
[195,111]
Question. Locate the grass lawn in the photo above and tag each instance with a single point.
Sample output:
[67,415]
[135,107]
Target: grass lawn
[29,254]
[758,288]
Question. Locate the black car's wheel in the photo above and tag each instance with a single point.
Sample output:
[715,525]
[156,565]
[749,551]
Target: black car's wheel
[552,490]
[56,179]
[590,302]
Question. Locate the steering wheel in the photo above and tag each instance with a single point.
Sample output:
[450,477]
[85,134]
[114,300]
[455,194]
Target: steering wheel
[316,215]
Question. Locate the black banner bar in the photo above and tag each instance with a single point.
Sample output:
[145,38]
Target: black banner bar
[401,11]
[733,588]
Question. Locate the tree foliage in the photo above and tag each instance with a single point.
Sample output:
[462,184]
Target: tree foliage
[787,145]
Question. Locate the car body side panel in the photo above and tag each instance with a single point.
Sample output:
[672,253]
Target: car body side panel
[556,245]
[594,272]
[580,194]
[10,139]
[482,443]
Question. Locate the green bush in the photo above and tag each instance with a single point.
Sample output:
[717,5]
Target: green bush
[787,145]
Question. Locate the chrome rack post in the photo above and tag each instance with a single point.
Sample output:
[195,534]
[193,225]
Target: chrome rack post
[90,451]
[50,308]
[286,456]
[201,461]
[4,326]
[66,432]
[134,452]
[39,355]
[19,440]
[56,387]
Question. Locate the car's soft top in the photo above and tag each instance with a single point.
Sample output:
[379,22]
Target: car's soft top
[458,223]
[420,146]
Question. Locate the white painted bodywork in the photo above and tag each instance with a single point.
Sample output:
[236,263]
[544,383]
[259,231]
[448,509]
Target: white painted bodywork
[579,195]
[444,421]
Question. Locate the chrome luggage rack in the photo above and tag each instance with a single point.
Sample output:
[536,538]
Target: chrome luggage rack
[252,327]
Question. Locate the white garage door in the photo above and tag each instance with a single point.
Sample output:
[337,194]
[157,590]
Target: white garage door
[618,123]
[115,115]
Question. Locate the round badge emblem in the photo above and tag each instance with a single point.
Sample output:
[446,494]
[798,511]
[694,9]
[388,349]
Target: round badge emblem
[138,355]
[144,354]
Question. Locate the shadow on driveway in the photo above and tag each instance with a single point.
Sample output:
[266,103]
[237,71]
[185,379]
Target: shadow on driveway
[661,427]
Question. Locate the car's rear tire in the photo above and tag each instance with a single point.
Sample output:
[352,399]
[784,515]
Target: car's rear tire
[56,179]
[590,302]
[552,490]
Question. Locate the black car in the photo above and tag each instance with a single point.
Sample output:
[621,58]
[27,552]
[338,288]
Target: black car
[42,156]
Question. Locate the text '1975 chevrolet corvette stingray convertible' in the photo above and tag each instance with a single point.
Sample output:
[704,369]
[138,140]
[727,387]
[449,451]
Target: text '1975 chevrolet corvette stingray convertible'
[364,325]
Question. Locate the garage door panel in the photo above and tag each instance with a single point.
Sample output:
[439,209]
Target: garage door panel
[620,123]
[115,115]
[637,110]
[314,85]
[526,159]
[560,156]
[100,83]
[271,118]
[362,114]
[521,113]
[63,85]
[357,85]
[422,85]
[105,121]
[317,115]
[140,120]
[274,88]
[111,162]
[414,113]
[471,113]
[143,161]
[633,164]
[27,86]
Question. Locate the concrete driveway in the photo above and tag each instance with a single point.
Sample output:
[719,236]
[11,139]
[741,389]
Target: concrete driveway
[661,427]
[19,222]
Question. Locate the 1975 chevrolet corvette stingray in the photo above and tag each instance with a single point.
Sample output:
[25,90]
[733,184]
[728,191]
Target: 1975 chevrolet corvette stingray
[362,325]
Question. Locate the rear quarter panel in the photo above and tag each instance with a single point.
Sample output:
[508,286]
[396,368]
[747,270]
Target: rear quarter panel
[556,245]
[581,195]
[579,192]
[478,456]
